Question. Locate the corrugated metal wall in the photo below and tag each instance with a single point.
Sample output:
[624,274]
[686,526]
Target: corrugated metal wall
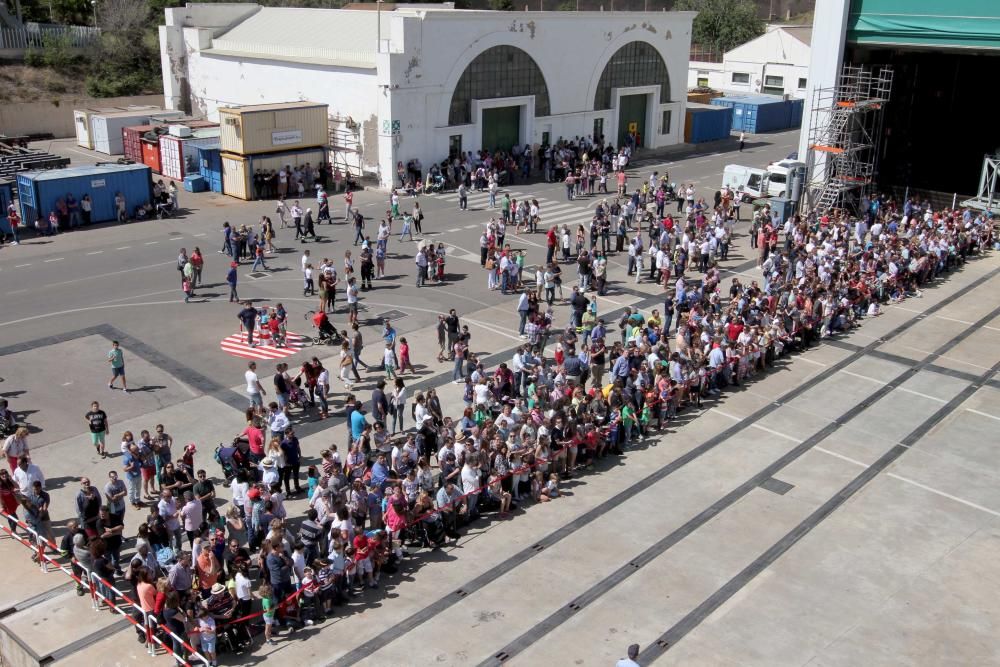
[38,191]
[249,132]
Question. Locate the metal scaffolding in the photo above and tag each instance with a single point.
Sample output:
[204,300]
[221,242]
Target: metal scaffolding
[845,132]
[346,152]
[988,194]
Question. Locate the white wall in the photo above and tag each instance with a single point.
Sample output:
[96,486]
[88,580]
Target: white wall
[420,61]
[829,37]
[424,75]
[775,53]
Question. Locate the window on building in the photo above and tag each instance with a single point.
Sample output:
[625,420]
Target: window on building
[702,80]
[455,145]
[598,129]
[665,122]
[546,139]
[500,71]
[635,64]
[774,85]
[802,84]
[741,77]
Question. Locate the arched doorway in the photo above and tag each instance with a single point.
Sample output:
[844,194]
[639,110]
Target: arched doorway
[496,73]
[633,65]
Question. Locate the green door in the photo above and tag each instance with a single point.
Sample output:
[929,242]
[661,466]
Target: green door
[632,117]
[501,128]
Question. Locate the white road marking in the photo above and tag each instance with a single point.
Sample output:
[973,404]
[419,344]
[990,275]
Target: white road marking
[471,226]
[903,389]
[151,242]
[812,361]
[54,259]
[912,482]
[847,459]
[66,384]
[453,230]
[982,414]
[124,247]
[96,252]
[199,235]
[19,266]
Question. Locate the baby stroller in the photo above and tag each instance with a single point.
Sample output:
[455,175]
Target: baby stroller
[435,183]
[224,457]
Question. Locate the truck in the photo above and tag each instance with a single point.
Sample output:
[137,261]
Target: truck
[781,177]
[776,180]
[748,183]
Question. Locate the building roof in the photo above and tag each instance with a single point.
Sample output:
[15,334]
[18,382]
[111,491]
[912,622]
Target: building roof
[276,106]
[79,170]
[321,36]
[803,33]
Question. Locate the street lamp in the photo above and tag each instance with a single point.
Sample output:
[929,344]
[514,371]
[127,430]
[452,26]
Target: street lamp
[93,3]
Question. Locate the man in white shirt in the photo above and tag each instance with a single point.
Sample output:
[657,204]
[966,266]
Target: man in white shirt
[633,650]
[470,483]
[27,473]
[254,390]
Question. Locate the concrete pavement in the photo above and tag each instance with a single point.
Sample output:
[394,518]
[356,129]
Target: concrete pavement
[768,528]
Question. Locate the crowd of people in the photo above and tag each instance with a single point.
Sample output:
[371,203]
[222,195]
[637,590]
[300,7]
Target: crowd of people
[543,416]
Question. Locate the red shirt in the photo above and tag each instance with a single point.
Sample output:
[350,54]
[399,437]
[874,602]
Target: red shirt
[361,547]
[255,437]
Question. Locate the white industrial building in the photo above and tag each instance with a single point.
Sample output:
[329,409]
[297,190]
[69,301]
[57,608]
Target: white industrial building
[776,63]
[416,82]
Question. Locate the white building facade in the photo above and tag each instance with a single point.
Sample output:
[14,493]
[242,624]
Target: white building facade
[420,82]
[776,63]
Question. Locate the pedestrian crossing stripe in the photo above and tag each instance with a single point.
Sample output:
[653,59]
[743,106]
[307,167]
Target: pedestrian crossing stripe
[236,345]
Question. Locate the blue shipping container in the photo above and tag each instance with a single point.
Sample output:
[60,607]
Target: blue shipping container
[210,166]
[708,124]
[758,113]
[194,183]
[6,197]
[38,191]
[796,106]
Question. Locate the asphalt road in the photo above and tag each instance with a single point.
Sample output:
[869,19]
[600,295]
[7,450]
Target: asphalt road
[124,276]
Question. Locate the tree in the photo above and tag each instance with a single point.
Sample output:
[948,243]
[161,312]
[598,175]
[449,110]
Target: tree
[723,24]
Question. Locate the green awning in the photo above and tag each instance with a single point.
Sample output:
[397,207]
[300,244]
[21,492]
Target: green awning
[929,23]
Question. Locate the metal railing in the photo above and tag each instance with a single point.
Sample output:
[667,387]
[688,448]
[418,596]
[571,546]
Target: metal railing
[102,592]
[33,36]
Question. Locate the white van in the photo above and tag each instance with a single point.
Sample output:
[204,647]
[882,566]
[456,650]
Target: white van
[748,183]
[780,175]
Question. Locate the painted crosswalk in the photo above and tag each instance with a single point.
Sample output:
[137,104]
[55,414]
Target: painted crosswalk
[264,349]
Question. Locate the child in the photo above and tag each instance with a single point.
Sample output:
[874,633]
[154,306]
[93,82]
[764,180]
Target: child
[266,594]
[187,289]
[389,359]
[404,357]
[551,489]
[537,486]
[308,287]
[206,630]
[312,477]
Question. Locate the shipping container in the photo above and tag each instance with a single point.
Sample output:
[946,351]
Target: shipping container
[236,176]
[210,166]
[6,197]
[179,156]
[195,183]
[151,155]
[759,113]
[704,122]
[39,191]
[703,98]
[796,107]
[238,170]
[132,141]
[269,128]
[82,119]
[106,129]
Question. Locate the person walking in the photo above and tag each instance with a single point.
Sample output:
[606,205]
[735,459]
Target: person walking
[463,197]
[743,138]
[116,357]
[231,278]
[248,319]
[97,422]
[297,221]
[420,259]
